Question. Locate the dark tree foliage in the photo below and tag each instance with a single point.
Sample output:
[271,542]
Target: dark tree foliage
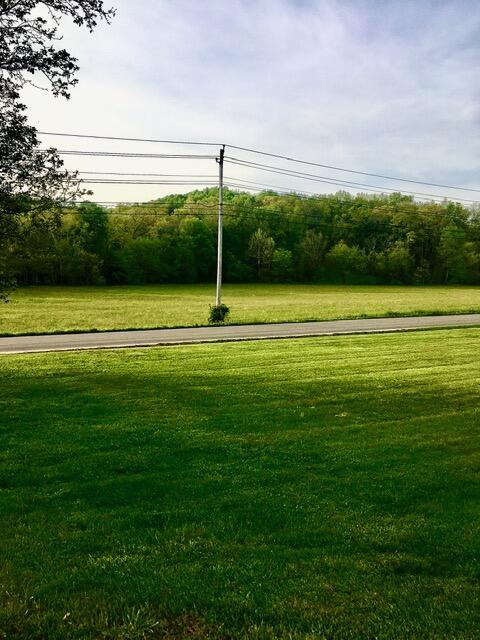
[29,31]
[32,181]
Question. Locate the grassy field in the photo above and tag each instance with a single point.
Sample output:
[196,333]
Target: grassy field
[315,488]
[59,309]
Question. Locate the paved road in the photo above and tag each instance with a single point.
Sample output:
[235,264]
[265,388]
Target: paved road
[152,337]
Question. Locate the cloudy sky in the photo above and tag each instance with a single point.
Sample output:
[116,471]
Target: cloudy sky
[376,85]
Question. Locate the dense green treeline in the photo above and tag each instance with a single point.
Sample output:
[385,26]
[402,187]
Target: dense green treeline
[267,237]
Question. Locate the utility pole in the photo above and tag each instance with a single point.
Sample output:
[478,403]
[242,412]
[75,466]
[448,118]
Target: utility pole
[218,298]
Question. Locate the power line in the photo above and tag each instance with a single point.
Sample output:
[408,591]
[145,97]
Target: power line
[242,163]
[120,203]
[159,213]
[147,182]
[362,173]
[299,192]
[280,190]
[291,217]
[340,225]
[297,218]
[153,175]
[133,204]
[326,180]
[311,219]
[94,137]
[176,182]
[123,154]
[264,153]
[155,213]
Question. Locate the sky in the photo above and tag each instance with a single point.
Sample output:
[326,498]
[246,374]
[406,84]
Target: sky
[389,87]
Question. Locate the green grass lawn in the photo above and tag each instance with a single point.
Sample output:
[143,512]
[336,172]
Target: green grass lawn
[59,309]
[314,488]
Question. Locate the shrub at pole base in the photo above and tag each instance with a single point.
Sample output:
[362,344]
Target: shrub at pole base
[218,313]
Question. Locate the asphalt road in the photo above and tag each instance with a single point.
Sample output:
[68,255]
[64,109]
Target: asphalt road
[152,337]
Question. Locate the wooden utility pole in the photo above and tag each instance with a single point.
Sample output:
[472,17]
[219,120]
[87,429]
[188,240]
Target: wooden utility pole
[218,298]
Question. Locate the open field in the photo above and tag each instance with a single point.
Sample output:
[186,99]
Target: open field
[64,309]
[315,488]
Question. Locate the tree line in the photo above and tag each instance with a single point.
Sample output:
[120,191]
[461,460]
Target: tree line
[268,237]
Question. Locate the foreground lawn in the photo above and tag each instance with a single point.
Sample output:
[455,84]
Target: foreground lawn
[58,309]
[315,488]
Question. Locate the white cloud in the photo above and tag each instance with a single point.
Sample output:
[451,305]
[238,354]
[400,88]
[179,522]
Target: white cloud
[380,86]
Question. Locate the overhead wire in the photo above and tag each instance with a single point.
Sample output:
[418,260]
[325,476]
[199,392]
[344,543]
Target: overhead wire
[120,203]
[283,189]
[244,163]
[285,157]
[268,168]
[149,182]
[291,217]
[95,137]
[303,193]
[298,219]
[153,175]
[305,219]
[343,169]
[213,214]
[276,189]
[125,154]
[326,179]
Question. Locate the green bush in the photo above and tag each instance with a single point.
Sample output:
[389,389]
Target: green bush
[218,313]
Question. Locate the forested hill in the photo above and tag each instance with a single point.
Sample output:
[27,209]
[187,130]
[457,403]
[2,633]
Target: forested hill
[267,237]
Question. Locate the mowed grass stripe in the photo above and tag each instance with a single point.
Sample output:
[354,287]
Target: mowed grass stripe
[310,488]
